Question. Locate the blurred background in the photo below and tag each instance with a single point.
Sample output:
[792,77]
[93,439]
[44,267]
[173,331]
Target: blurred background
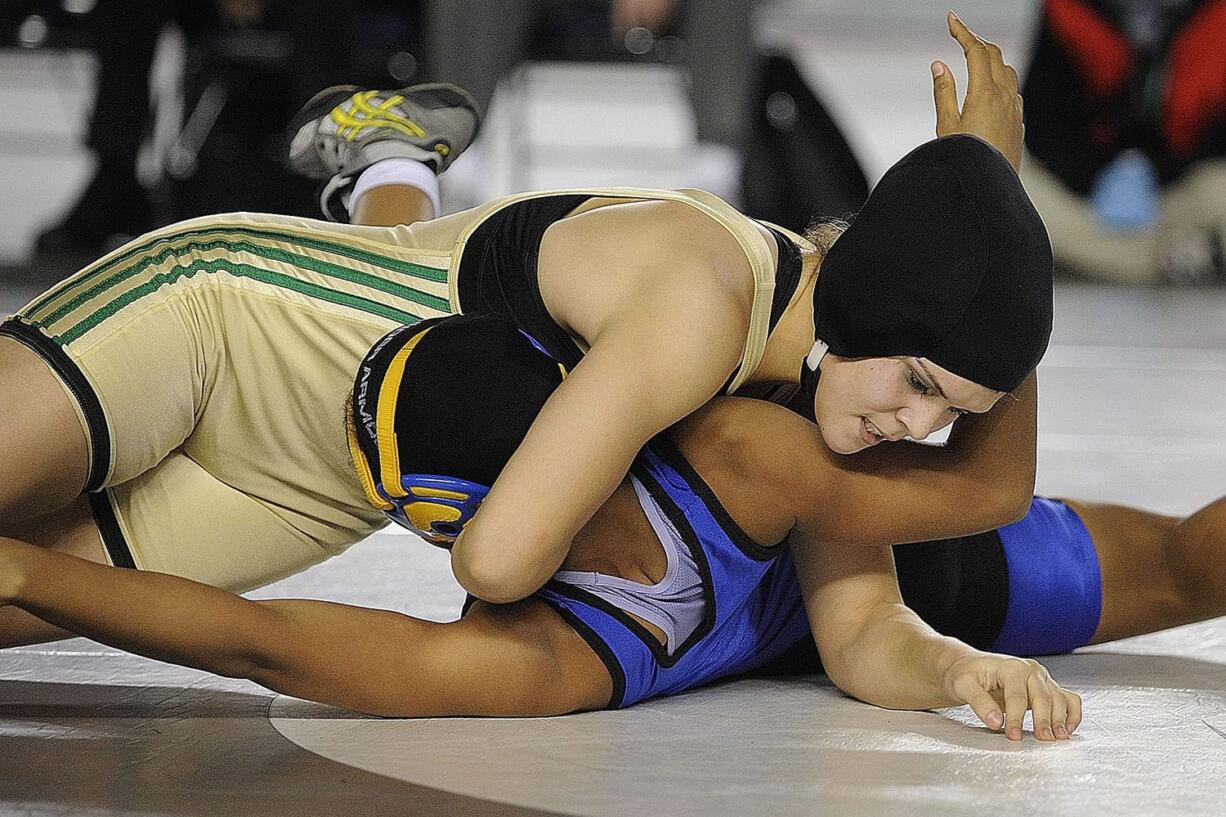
[117,116]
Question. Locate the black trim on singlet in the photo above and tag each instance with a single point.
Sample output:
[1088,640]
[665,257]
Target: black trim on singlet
[617,674]
[960,587]
[787,275]
[690,540]
[113,540]
[607,607]
[91,407]
[497,271]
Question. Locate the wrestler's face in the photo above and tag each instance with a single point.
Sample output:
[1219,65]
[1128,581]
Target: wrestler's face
[864,401]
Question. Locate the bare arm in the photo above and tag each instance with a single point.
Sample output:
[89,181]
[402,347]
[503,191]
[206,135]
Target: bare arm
[518,660]
[983,478]
[658,351]
[876,649]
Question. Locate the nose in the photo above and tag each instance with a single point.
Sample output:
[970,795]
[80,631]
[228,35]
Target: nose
[922,420]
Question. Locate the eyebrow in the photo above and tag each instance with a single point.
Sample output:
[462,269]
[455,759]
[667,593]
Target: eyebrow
[935,383]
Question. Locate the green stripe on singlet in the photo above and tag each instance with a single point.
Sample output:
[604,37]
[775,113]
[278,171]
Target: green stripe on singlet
[271,253]
[386,262]
[241,271]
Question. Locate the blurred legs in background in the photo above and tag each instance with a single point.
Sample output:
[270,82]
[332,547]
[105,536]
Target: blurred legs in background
[1183,246]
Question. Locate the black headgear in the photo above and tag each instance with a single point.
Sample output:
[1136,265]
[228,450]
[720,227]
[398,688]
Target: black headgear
[449,396]
[948,260]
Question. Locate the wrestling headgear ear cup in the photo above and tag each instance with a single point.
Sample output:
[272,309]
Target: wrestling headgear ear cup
[948,260]
[438,408]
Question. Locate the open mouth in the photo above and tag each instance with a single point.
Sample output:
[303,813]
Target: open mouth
[869,433]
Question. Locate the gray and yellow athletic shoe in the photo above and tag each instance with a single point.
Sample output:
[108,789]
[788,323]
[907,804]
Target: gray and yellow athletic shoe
[345,129]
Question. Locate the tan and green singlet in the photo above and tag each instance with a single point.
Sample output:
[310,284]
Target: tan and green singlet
[209,363]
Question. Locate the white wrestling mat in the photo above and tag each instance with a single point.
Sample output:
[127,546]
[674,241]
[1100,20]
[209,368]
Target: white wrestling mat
[1132,396]
[1153,743]
[88,730]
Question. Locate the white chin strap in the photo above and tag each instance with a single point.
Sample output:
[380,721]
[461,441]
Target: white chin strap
[814,358]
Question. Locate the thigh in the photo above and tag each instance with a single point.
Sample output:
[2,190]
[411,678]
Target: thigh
[125,339]
[1140,593]
[177,518]
[44,451]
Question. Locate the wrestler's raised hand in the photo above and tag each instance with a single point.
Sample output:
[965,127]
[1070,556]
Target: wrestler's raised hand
[992,109]
[1000,688]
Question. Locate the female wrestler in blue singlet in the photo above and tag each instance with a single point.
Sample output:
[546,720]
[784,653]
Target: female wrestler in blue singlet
[681,578]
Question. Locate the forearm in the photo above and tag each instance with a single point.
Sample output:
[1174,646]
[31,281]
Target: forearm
[897,661]
[332,653]
[988,466]
[876,649]
[152,614]
[1002,445]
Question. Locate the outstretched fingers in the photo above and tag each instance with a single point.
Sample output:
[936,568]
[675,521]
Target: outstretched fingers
[980,54]
[945,94]
[992,108]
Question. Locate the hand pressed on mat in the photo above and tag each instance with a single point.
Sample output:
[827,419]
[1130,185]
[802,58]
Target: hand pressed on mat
[991,683]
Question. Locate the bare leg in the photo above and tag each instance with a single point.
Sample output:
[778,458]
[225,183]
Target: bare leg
[70,530]
[44,453]
[1158,571]
[44,462]
[391,205]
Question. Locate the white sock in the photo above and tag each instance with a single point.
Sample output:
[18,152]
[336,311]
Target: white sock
[397,171]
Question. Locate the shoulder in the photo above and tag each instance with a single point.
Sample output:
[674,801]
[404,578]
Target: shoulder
[683,234]
[766,463]
[651,266]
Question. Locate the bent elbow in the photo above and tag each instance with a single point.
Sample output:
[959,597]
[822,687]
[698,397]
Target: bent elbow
[491,581]
[1018,510]
[1015,504]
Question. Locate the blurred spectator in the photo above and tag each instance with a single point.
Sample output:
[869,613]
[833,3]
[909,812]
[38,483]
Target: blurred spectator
[1126,127]
[801,165]
[475,43]
[308,54]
